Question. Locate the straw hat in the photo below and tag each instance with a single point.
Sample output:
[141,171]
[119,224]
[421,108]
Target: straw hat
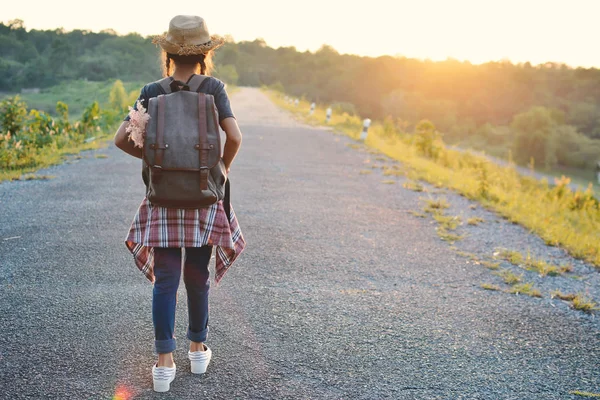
[188,35]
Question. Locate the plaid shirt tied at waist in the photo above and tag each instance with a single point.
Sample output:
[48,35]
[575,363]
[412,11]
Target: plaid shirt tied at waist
[155,226]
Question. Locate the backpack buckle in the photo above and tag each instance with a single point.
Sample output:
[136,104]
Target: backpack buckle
[176,86]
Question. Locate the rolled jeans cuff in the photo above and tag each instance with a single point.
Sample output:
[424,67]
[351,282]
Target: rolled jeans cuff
[165,346]
[199,337]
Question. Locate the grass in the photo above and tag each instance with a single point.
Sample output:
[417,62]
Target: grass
[395,172]
[544,268]
[578,176]
[552,211]
[540,266]
[509,277]
[563,296]
[34,177]
[489,286]
[525,288]
[584,394]
[77,94]
[475,221]
[46,157]
[418,214]
[414,186]
[448,236]
[447,222]
[436,206]
[583,303]
[490,264]
[579,301]
[512,256]
[477,260]
[101,156]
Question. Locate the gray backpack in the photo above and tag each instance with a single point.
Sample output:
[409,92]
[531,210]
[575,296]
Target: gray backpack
[182,165]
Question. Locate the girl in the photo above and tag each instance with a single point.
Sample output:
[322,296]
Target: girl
[186,50]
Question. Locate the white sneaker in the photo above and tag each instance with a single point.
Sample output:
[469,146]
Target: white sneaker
[199,360]
[162,377]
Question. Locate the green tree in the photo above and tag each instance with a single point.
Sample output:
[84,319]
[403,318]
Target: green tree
[118,98]
[535,136]
[228,74]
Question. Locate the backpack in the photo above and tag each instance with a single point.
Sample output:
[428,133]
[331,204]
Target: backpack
[182,165]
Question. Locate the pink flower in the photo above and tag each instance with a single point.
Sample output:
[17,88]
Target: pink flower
[137,124]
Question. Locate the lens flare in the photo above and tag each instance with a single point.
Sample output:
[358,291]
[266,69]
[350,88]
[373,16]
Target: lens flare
[122,393]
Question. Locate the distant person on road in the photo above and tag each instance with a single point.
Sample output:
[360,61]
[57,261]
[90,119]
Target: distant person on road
[158,234]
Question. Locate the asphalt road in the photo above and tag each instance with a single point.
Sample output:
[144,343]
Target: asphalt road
[341,293]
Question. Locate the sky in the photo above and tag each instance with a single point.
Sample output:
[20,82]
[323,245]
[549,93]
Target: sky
[537,31]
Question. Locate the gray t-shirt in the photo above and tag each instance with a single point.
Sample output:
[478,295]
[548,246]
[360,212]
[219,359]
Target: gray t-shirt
[210,85]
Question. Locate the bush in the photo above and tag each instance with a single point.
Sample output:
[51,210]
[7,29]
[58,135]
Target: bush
[428,140]
[277,86]
[90,120]
[12,114]
[342,107]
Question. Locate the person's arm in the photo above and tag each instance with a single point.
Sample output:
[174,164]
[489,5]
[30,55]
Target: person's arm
[233,141]
[122,137]
[122,141]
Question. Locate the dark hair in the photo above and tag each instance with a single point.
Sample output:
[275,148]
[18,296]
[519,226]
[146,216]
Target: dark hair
[203,62]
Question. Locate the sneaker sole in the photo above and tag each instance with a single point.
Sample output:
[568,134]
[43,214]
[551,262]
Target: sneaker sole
[198,367]
[162,386]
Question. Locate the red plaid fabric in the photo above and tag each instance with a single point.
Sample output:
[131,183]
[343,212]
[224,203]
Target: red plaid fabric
[155,226]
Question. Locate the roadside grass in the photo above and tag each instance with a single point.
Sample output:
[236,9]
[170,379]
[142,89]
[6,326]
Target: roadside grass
[418,214]
[579,301]
[448,236]
[554,212]
[525,288]
[584,303]
[47,156]
[475,221]
[490,286]
[397,172]
[563,296]
[584,394]
[509,277]
[447,222]
[414,186]
[39,130]
[490,264]
[34,177]
[513,257]
[436,206]
[542,267]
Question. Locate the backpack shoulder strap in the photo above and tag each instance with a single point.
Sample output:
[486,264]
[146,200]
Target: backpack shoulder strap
[165,84]
[195,82]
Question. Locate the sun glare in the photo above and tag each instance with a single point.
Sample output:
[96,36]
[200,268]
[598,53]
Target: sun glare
[122,393]
[536,30]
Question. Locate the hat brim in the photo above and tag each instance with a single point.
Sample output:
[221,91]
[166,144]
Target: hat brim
[215,42]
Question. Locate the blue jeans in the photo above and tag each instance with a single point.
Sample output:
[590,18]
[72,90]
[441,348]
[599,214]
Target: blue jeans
[167,272]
